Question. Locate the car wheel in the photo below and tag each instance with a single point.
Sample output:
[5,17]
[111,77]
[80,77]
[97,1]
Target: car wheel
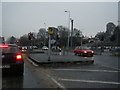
[91,55]
[81,54]
[75,53]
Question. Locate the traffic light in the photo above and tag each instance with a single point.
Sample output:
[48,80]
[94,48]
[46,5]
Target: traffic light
[29,36]
[57,37]
[17,41]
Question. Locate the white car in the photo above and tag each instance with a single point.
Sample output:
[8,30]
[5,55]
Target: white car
[44,48]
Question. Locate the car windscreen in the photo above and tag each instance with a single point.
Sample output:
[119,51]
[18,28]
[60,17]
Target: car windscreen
[10,50]
[85,48]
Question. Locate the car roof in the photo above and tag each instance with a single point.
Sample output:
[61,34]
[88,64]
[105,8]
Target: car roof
[12,45]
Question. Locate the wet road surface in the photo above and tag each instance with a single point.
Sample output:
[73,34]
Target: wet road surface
[104,73]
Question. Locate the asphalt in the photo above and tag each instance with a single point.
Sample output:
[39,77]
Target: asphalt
[42,57]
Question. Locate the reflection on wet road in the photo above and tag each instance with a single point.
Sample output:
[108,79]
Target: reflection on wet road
[26,81]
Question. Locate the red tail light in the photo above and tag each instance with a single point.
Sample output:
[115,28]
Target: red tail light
[4,46]
[19,57]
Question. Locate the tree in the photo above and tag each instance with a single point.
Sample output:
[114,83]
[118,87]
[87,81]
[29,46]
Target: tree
[116,35]
[77,37]
[100,36]
[11,40]
[110,27]
[42,36]
[63,35]
[24,40]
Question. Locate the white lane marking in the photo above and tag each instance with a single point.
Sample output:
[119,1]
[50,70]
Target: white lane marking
[89,81]
[110,67]
[85,70]
[32,62]
[61,86]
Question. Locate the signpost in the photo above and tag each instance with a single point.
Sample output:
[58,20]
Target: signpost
[50,32]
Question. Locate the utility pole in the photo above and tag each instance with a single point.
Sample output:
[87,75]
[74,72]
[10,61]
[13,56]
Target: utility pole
[71,31]
[45,34]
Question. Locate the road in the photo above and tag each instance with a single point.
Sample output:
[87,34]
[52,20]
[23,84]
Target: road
[102,74]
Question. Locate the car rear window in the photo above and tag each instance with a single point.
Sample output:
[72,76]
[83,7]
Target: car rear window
[10,50]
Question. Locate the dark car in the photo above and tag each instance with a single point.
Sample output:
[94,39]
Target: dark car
[12,59]
[83,51]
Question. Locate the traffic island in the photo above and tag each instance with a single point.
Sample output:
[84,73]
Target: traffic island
[42,59]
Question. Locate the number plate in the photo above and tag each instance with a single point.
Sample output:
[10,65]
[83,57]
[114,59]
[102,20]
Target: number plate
[3,56]
[5,66]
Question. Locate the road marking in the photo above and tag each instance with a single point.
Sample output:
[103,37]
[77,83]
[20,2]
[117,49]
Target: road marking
[32,62]
[89,81]
[61,86]
[85,70]
[110,67]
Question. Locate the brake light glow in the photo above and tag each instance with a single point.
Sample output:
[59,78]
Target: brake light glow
[4,46]
[19,57]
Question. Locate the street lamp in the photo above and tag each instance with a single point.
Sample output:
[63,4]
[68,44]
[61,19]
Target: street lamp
[71,31]
[45,34]
[68,27]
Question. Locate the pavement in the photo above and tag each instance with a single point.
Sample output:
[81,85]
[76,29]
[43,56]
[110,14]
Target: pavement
[42,57]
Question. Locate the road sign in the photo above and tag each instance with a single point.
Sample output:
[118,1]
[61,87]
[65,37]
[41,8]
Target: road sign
[50,30]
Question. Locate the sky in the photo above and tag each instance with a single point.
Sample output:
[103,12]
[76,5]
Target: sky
[19,18]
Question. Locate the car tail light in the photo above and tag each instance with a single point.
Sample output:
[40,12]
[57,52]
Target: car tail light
[92,51]
[19,57]
[4,46]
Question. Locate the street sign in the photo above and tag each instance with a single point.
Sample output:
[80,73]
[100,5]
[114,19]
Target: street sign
[50,30]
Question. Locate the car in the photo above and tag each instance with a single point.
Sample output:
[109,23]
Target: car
[83,51]
[12,59]
[44,48]
[24,49]
[56,49]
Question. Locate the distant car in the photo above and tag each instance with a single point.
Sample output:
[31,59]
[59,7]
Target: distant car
[24,49]
[44,48]
[56,49]
[83,51]
[12,59]
[35,47]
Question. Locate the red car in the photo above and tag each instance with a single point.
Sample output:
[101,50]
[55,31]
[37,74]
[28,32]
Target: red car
[83,51]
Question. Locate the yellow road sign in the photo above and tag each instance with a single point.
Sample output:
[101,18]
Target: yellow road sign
[50,30]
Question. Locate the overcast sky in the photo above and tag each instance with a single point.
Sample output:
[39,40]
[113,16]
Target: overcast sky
[19,18]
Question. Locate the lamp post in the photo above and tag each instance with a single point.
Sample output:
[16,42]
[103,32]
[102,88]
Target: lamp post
[68,28]
[71,31]
[45,34]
